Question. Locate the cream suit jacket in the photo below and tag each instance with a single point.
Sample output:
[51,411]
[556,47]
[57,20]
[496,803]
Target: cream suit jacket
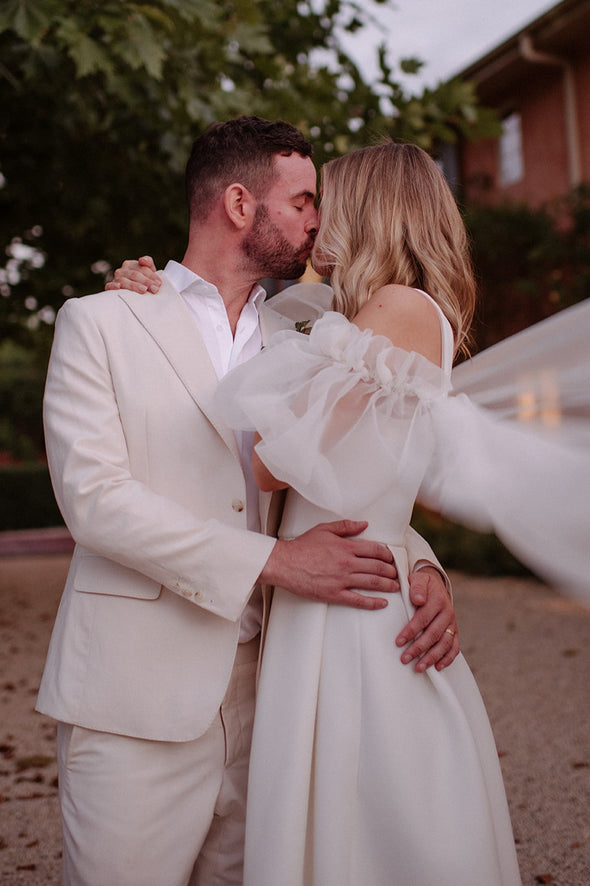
[149,481]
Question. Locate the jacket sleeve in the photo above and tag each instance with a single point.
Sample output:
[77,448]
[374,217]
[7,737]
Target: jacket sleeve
[110,512]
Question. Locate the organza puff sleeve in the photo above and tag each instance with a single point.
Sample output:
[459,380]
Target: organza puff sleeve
[346,418]
[342,413]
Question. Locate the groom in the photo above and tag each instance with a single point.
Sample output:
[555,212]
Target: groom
[151,667]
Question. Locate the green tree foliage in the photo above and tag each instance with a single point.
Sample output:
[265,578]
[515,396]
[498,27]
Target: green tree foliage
[100,100]
[99,103]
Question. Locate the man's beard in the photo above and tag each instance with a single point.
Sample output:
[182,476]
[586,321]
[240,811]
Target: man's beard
[269,251]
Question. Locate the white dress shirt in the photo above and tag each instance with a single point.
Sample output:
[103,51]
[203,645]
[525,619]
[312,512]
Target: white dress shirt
[226,351]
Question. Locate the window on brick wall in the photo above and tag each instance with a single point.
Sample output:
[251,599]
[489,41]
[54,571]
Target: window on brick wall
[447,160]
[511,161]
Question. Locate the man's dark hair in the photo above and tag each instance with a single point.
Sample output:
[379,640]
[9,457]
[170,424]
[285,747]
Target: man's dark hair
[240,150]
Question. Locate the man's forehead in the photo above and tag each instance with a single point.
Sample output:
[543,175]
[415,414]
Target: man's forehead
[296,173]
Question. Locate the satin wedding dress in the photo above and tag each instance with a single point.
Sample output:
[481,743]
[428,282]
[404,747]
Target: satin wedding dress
[364,773]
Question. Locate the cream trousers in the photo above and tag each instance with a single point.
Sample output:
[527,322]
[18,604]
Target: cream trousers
[149,813]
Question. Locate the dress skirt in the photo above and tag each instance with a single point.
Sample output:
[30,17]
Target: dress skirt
[363,772]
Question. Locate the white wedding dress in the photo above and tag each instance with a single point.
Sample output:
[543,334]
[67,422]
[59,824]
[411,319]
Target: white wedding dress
[363,772]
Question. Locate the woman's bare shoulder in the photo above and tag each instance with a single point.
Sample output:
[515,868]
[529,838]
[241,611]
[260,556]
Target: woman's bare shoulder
[409,319]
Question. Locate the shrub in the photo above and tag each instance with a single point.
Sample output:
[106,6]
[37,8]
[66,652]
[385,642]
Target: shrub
[27,500]
[529,262]
[460,548]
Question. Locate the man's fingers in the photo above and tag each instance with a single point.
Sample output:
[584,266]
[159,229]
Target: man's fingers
[379,576]
[364,548]
[323,564]
[359,601]
[372,550]
[343,528]
[359,547]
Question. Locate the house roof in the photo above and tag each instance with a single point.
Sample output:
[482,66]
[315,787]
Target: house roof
[562,33]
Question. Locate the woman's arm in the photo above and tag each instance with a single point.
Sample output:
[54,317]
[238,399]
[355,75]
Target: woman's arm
[264,479]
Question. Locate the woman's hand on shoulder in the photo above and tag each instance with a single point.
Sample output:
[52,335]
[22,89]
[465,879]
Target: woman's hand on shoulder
[406,317]
[138,275]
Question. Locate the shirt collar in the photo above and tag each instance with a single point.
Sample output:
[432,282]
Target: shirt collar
[183,279]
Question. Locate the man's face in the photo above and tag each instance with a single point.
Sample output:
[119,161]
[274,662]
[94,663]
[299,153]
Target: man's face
[285,223]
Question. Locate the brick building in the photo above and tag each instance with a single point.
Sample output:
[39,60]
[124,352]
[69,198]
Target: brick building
[539,82]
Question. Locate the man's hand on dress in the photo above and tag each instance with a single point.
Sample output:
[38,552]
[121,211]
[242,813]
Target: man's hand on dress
[432,632]
[328,564]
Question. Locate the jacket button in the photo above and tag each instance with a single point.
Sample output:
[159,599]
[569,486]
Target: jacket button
[237,504]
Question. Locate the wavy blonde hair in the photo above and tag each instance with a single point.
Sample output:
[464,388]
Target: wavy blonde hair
[388,216]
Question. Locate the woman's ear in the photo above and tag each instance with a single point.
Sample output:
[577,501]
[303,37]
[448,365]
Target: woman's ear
[239,205]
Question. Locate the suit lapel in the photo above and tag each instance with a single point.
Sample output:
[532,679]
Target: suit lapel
[168,320]
[301,302]
[271,321]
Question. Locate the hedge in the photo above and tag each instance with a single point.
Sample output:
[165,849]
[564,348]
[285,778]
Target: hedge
[464,549]
[26,498]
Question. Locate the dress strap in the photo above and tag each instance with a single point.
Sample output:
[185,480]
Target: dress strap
[446,334]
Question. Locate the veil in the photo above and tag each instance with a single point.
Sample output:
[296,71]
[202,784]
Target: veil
[512,452]
[540,376]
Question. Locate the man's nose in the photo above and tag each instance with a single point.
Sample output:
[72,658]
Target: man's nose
[312,224]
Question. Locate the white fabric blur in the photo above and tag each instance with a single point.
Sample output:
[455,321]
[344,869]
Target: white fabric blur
[512,448]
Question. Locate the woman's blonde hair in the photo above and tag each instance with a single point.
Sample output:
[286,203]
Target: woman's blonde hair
[388,216]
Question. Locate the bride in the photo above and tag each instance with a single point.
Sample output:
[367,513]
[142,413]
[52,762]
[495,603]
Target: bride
[362,771]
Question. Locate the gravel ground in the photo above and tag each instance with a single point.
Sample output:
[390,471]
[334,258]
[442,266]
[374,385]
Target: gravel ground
[528,647]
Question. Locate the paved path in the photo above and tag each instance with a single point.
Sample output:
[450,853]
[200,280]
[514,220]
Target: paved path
[529,649]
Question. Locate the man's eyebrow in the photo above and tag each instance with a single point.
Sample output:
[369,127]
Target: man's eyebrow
[308,194]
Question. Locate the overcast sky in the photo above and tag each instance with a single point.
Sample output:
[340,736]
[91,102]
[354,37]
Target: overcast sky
[447,35]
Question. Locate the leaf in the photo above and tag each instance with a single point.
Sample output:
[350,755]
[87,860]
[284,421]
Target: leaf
[207,12]
[252,39]
[157,16]
[88,56]
[411,65]
[145,48]
[26,18]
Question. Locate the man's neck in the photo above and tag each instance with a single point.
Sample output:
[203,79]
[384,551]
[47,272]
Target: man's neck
[233,284]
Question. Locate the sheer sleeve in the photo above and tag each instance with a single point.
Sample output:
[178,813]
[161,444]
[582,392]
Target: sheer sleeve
[345,416]
[341,412]
[519,463]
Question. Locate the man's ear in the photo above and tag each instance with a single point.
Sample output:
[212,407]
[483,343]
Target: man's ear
[239,205]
